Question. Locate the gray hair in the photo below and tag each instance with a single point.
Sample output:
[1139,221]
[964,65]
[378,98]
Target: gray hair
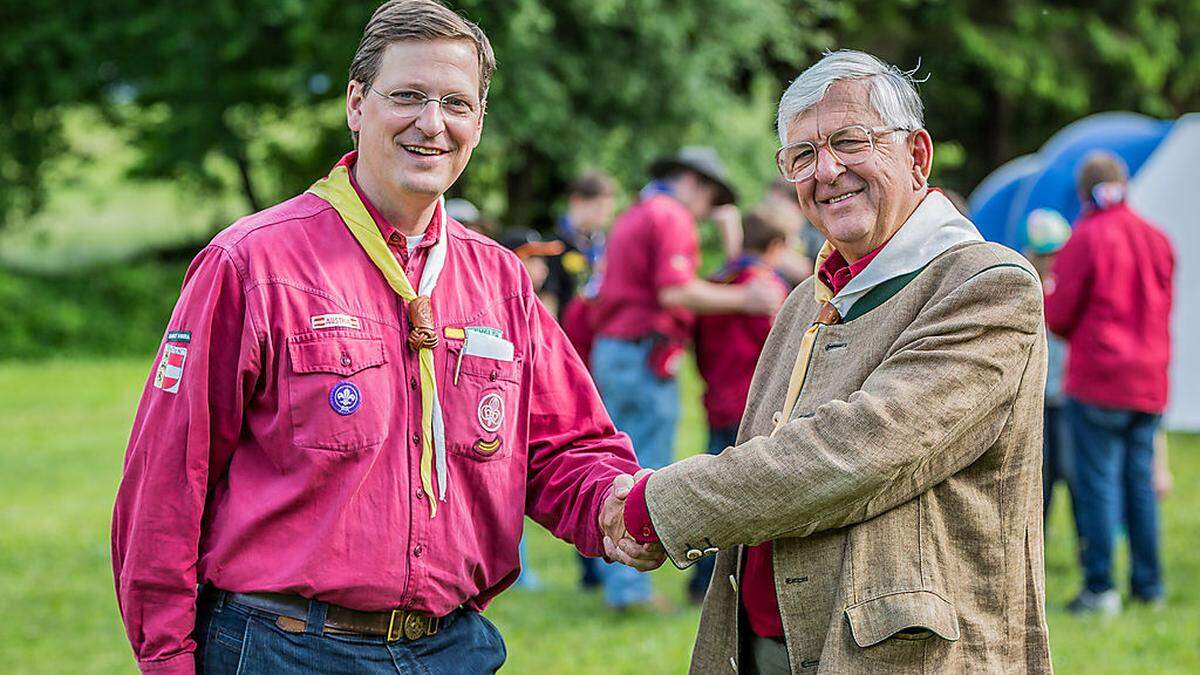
[893,91]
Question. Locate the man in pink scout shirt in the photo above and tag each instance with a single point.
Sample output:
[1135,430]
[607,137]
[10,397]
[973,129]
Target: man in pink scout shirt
[356,403]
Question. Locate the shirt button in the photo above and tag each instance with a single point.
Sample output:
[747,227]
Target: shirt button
[418,550]
[492,376]
[646,531]
[416,439]
[412,382]
[345,360]
[420,493]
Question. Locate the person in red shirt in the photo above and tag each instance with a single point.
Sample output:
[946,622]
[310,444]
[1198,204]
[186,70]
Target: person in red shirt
[643,315]
[1110,297]
[727,347]
[356,404]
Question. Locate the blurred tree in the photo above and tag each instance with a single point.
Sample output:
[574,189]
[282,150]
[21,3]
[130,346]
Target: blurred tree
[249,93]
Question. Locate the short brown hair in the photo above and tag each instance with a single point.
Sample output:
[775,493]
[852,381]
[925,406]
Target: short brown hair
[398,20]
[1100,166]
[592,184]
[758,233]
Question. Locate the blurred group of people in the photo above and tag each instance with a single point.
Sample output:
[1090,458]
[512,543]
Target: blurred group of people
[1108,289]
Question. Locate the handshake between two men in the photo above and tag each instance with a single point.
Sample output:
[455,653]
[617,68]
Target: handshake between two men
[619,545]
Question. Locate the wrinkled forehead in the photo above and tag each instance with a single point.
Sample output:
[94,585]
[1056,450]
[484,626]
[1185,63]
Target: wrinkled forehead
[846,103]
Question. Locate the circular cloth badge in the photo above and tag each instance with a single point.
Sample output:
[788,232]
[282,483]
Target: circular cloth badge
[344,398]
[491,412]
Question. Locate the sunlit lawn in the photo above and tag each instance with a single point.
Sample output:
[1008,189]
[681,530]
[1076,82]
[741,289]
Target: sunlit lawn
[63,427]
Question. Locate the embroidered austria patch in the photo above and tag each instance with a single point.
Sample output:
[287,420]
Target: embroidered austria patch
[491,412]
[170,368]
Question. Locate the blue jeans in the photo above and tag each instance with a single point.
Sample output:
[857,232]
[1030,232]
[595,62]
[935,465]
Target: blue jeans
[1114,477]
[232,638]
[718,440]
[1058,460]
[646,408]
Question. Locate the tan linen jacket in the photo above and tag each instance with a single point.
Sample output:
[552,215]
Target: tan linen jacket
[904,492]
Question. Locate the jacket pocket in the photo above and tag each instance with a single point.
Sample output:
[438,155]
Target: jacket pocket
[480,397]
[340,392]
[898,628]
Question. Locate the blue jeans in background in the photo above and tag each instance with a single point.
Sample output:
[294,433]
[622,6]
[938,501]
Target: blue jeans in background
[1058,460]
[647,408]
[232,638]
[718,440]
[1114,480]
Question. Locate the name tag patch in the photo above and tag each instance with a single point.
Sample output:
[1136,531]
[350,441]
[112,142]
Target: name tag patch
[334,321]
[170,368]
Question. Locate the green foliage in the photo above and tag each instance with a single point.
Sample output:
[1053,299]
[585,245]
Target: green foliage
[252,89]
[115,309]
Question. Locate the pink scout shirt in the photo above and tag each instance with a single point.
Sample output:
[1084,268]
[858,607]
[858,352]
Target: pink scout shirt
[251,469]
[653,245]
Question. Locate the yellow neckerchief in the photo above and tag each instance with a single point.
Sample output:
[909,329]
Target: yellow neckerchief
[823,295]
[337,190]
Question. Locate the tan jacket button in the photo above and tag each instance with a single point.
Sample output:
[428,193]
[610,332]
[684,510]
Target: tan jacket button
[711,550]
[694,554]
[733,664]
[733,582]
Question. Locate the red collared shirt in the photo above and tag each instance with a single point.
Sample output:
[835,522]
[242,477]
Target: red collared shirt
[758,573]
[251,468]
[653,245]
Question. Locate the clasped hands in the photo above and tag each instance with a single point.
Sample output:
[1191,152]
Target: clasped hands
[619,545]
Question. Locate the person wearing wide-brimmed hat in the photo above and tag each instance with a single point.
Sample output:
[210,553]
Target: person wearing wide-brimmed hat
[649,294]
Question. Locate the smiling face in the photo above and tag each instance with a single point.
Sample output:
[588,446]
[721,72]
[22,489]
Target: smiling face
[408,161]
[859,207]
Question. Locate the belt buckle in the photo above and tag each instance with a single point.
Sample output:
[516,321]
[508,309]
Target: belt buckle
[392,634]
[411,626]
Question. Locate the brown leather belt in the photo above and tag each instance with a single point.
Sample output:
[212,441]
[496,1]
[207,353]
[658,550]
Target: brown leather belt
[394,624]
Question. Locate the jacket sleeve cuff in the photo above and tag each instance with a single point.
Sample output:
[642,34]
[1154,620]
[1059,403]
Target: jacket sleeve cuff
[637,515]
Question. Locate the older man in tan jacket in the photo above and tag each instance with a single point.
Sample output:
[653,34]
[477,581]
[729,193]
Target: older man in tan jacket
[881,511]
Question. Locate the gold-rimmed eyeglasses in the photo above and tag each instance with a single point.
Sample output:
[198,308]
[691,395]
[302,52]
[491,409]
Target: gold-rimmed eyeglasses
[850,145]
[408,103]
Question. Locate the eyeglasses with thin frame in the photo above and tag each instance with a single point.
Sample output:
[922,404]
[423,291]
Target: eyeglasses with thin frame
[408,103]
[850,145]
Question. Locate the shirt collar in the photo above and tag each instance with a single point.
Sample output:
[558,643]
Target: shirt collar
[391,234]
[835,272]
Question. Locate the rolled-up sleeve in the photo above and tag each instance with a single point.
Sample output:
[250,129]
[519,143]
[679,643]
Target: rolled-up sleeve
[186,427]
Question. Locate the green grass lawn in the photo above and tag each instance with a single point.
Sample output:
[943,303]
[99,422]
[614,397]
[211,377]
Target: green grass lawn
[63,428]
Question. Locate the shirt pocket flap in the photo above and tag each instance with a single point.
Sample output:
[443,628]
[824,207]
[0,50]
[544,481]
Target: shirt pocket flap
[873,621]
[342,355]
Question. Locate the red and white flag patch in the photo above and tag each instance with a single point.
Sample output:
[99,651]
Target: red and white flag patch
[170,368]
